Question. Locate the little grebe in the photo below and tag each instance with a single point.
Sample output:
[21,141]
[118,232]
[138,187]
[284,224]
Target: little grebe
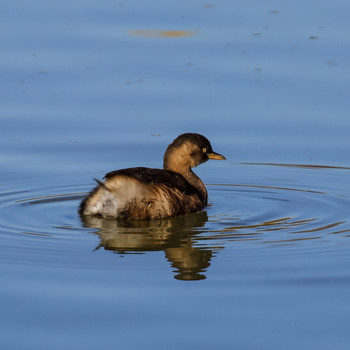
[145,194]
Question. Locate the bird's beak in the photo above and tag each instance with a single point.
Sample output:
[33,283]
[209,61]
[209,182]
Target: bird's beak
[214,155]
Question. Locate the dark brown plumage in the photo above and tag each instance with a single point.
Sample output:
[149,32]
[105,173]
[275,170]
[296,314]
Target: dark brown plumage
[144,193]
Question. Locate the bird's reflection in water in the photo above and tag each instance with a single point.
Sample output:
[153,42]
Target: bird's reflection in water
[174,236]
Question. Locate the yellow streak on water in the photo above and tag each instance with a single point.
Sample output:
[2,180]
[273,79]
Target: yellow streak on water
[322,227]
[159,33]
[268,187]
[313,166]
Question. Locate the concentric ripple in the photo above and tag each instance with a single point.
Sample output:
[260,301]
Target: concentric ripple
[276,215]
[41,225]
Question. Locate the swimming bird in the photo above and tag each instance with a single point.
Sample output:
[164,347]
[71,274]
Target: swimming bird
[145,194]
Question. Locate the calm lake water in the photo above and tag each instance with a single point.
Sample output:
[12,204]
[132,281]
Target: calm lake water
[92,86]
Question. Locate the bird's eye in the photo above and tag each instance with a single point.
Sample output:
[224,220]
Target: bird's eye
[204,150]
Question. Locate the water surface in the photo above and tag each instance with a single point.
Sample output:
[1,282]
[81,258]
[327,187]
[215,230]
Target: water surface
[91,87]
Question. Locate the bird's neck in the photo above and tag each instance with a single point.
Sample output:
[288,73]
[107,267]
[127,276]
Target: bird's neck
[193,180]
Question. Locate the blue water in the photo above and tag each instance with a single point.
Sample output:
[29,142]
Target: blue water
[88,87]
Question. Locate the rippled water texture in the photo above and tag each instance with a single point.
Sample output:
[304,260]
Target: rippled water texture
[252,213]
[91,87]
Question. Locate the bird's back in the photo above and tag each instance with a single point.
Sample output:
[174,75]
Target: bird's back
[142,194]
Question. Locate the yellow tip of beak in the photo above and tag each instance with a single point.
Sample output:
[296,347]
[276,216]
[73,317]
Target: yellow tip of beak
[215,155]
